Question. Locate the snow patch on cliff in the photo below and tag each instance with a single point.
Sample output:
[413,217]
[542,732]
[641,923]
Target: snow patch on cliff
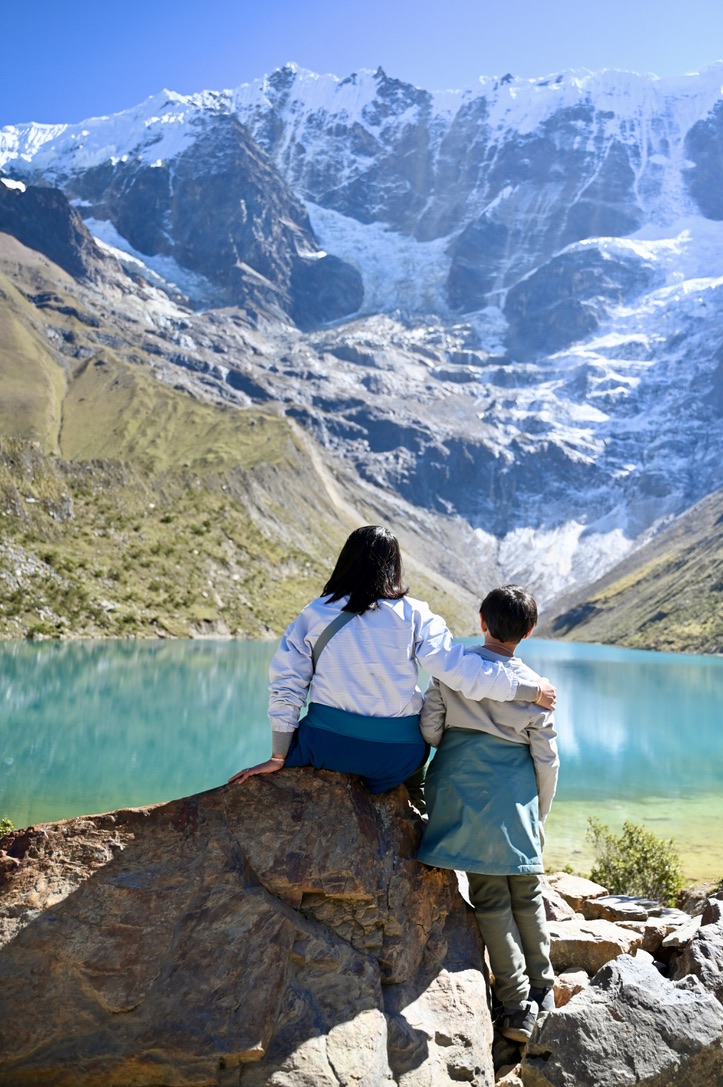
[398,272]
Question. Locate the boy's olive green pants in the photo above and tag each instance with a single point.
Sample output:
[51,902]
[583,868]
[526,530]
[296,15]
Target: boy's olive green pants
[511,917]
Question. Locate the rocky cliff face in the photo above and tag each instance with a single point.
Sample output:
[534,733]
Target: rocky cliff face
[42,219]
[215,207]
[509,173]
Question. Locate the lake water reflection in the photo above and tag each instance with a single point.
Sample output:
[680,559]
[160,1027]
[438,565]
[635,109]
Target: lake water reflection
[92,726]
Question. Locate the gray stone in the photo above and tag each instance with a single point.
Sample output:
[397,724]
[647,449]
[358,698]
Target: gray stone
[557,908]
[703,955]
[588,945]
[682,934]
[575,889]
[654,932]
[630,1026]
[620,908]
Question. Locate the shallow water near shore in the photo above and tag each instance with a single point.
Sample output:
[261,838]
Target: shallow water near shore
[693,823]
[92,726]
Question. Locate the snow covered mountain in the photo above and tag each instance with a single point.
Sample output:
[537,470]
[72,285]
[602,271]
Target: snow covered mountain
[510,297]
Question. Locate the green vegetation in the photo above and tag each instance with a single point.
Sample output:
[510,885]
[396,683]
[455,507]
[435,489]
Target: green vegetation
[5,827]
[108,549]
[130,508]
[636,862]
[33,382]
[161,516]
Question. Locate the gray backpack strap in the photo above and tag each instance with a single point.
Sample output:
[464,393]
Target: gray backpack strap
[328,633]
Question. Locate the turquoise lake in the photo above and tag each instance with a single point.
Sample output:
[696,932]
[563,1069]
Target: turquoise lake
[91,726]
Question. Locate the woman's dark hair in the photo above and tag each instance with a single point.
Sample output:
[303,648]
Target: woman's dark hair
[369,568]
[509,612]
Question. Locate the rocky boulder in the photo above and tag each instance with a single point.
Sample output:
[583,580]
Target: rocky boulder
[630,1026]
[280,932]
[703,955]
[575,890]
[283,933]
[588,945]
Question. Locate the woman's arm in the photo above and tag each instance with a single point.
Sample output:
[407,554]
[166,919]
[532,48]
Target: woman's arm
[290,674]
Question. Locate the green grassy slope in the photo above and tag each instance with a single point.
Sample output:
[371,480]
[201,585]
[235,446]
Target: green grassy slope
[31,379]
[667,596]
[115,547]
[130,508]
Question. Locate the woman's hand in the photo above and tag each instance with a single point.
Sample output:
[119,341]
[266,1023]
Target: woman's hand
[547,696]
[268,767]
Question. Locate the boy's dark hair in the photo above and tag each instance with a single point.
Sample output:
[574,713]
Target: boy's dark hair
[369,568]
[509,612]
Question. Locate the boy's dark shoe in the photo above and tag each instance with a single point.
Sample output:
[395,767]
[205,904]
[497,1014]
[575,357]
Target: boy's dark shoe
[518,1020]
[544,998]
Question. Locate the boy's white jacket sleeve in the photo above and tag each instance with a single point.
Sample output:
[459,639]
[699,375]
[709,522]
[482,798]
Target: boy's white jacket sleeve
[431,721]
[543,748]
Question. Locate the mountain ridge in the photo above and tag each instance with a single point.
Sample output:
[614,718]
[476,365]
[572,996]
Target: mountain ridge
[536,349]
[666,596]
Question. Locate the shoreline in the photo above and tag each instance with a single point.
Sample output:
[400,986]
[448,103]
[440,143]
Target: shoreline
[219,635]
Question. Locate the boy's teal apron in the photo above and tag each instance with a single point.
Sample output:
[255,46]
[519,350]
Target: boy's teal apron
[481,795]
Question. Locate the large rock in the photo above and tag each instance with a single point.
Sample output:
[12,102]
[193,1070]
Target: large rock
[283,927]
[630,1026]
[632,908]
[557,908]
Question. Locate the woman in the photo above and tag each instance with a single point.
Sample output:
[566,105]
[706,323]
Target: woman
[363,716]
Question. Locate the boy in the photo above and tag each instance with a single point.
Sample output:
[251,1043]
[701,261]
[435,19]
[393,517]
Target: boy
[489,790]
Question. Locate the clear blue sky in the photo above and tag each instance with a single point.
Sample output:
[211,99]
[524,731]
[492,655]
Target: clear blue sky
[65,60]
